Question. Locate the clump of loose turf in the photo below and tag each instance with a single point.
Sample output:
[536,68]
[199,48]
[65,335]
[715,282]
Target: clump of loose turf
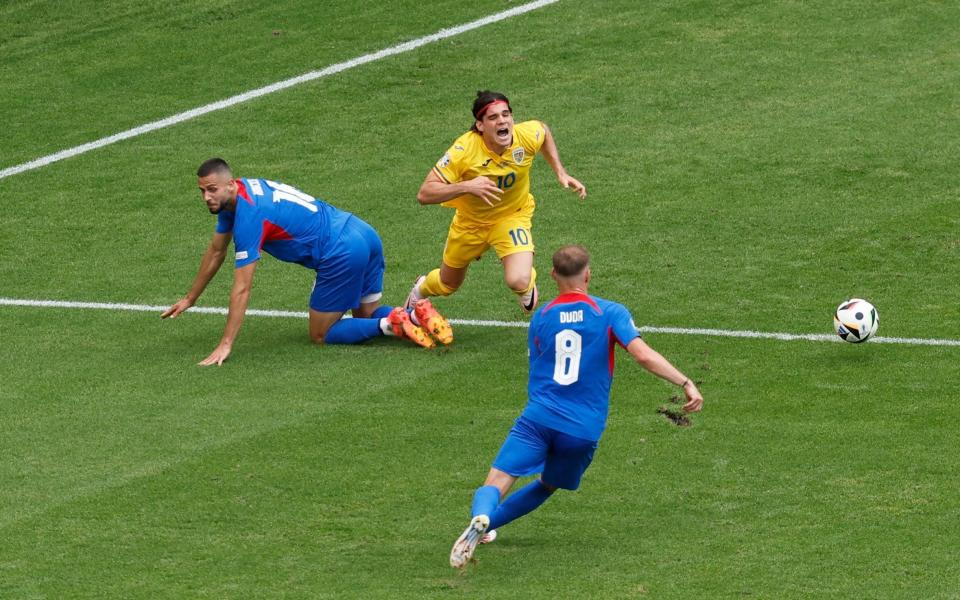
[674,413]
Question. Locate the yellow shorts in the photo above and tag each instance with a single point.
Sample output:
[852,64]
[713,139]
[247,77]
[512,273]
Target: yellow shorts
[468,242]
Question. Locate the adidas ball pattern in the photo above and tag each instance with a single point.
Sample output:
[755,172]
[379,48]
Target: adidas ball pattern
[856,320]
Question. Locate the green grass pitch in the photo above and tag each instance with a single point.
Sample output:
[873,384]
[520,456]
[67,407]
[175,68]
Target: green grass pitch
[749,165]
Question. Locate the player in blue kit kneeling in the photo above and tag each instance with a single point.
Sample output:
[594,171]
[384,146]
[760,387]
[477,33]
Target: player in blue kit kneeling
[571,343]
[293,226]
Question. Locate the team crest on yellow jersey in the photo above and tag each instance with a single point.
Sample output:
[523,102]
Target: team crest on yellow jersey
[469,158]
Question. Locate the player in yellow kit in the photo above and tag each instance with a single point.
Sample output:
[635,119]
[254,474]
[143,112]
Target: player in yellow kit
[485,176]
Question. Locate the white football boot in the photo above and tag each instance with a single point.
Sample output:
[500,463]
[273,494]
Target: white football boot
[414,294]
[463,548]
[529,301]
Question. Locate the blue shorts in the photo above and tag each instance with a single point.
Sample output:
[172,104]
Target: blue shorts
[351,271]
[532,448]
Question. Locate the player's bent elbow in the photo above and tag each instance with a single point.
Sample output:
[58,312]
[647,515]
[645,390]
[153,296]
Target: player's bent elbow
[642,353]
[646,362]
[433,192]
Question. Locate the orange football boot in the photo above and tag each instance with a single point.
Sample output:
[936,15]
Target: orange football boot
[433,322]
[403,327]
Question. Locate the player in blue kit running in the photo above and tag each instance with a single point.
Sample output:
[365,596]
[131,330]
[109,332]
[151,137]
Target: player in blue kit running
[571,343]
[345,252]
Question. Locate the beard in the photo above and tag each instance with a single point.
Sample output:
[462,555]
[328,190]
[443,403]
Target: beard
[216,210]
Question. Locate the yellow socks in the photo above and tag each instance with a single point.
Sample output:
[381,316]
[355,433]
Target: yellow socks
[433,286]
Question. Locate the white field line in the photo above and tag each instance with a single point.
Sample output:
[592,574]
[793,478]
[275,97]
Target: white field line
[813,337]
[274,87]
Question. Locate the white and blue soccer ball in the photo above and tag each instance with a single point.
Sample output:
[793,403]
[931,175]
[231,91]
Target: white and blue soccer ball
[856,320]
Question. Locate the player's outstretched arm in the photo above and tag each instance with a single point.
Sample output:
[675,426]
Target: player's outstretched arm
[239,298]
[209,265]
[552,156]
[653,361]
[435,190]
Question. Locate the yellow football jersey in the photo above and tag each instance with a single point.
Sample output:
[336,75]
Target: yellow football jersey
[469,157]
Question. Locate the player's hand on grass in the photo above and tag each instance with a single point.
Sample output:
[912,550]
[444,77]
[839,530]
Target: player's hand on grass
[572,183]
[483,188]
[177,308]
[694,397]
[217,357]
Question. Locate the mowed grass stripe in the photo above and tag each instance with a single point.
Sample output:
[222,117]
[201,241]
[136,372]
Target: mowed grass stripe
[720,165]
[372,393]
[274,87]
[216,310]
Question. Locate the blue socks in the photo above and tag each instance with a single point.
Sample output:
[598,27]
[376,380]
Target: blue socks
[354,331]
[519,503]
[357,331]
[485,500]
[382,312]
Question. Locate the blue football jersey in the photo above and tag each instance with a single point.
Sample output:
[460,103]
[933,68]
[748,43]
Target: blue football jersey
[282,221]
[571,343]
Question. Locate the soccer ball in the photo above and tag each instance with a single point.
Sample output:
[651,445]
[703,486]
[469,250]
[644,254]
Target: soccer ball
[856,320]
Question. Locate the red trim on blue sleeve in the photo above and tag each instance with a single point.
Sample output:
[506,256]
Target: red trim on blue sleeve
[242,192]
[272,233]
[612,346]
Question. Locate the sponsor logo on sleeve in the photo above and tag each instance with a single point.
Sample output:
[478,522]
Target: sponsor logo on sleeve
[242,255]
[444,161]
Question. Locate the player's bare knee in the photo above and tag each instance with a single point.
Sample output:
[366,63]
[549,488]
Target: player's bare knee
[518,283]
[318,338]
